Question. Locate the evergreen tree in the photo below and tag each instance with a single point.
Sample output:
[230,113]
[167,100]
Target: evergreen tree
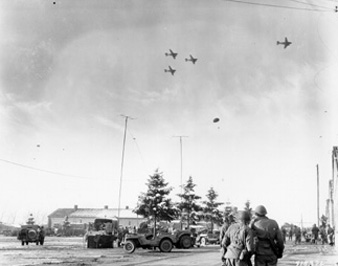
[188,205]
[155,204]
[30,219]
[211,212]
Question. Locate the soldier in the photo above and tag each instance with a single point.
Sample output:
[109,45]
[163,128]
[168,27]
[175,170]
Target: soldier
[315,232]
[238,242]
[298,234]
[269,246]
[227,222]
[283,230]
[42,235]
[291,232]
[323,234]
[330,234]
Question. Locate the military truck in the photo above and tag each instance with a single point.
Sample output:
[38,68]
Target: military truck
[102,233]
[31,233]
[163,240]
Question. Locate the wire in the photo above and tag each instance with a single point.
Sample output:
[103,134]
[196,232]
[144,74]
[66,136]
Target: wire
[278,6]
[42,170]
[296,1]
[139,150]
[334,1]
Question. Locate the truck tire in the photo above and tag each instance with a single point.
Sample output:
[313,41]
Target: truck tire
[31,234]
[22,243]
[166,245]
[185,242]
[129,246]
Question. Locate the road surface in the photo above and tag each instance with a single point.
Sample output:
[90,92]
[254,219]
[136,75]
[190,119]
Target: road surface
[72,251]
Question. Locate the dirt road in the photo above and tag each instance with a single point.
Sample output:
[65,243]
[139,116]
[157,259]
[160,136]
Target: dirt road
[73,252]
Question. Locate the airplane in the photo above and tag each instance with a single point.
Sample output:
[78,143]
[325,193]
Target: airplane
[171,54]
[193,60]
[171,70]
[286,43]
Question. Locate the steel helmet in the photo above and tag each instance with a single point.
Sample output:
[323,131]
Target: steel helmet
[261,210]
[243,216]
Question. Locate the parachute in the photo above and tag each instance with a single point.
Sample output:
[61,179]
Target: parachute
[216,120]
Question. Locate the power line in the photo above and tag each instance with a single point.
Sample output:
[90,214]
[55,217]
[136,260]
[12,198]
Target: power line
[309,4]
[43,170]
[138,149]
[334,1]
[278,6]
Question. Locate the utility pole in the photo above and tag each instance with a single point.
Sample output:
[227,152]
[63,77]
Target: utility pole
[318,219]
[181,171]
[181,158]
[122,161]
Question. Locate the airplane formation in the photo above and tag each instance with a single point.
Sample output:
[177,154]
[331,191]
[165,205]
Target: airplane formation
[174,55]
[193,60]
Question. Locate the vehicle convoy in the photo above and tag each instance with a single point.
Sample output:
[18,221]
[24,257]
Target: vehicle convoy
[31,233]
[163,240]
[102,233]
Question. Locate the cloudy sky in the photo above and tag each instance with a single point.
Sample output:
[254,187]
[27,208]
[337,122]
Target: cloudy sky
[69,70]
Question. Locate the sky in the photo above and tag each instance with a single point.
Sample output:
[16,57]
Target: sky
[71,70]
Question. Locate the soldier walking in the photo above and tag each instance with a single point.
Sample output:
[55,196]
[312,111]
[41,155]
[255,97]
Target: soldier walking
[238,242]
[269,240]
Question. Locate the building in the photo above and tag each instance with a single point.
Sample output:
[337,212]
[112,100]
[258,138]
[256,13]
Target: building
[88,215]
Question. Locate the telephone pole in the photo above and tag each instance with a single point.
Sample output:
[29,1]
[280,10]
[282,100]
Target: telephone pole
[122,161]
[181,153]
[318,219]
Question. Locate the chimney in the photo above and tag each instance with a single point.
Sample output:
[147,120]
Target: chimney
[75,207]
[106,207]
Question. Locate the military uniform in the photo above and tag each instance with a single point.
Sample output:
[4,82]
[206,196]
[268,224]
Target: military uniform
[230,220]
[238,241]
[266,231]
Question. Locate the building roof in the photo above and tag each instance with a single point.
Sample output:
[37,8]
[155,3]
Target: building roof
[61,213]
[93,213]
[103,213]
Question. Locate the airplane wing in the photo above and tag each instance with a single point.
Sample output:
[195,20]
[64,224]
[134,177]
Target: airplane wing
[171,51]
[191,57]
[286,39]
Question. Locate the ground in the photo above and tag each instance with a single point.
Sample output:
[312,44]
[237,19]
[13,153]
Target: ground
[72,251]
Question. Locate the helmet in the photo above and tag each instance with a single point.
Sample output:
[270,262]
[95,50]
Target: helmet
[261,210]
[243,216]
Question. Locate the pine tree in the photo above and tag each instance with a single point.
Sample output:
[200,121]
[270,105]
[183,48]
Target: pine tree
[210,209]
[30,219]
[188,205]
[155,203]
